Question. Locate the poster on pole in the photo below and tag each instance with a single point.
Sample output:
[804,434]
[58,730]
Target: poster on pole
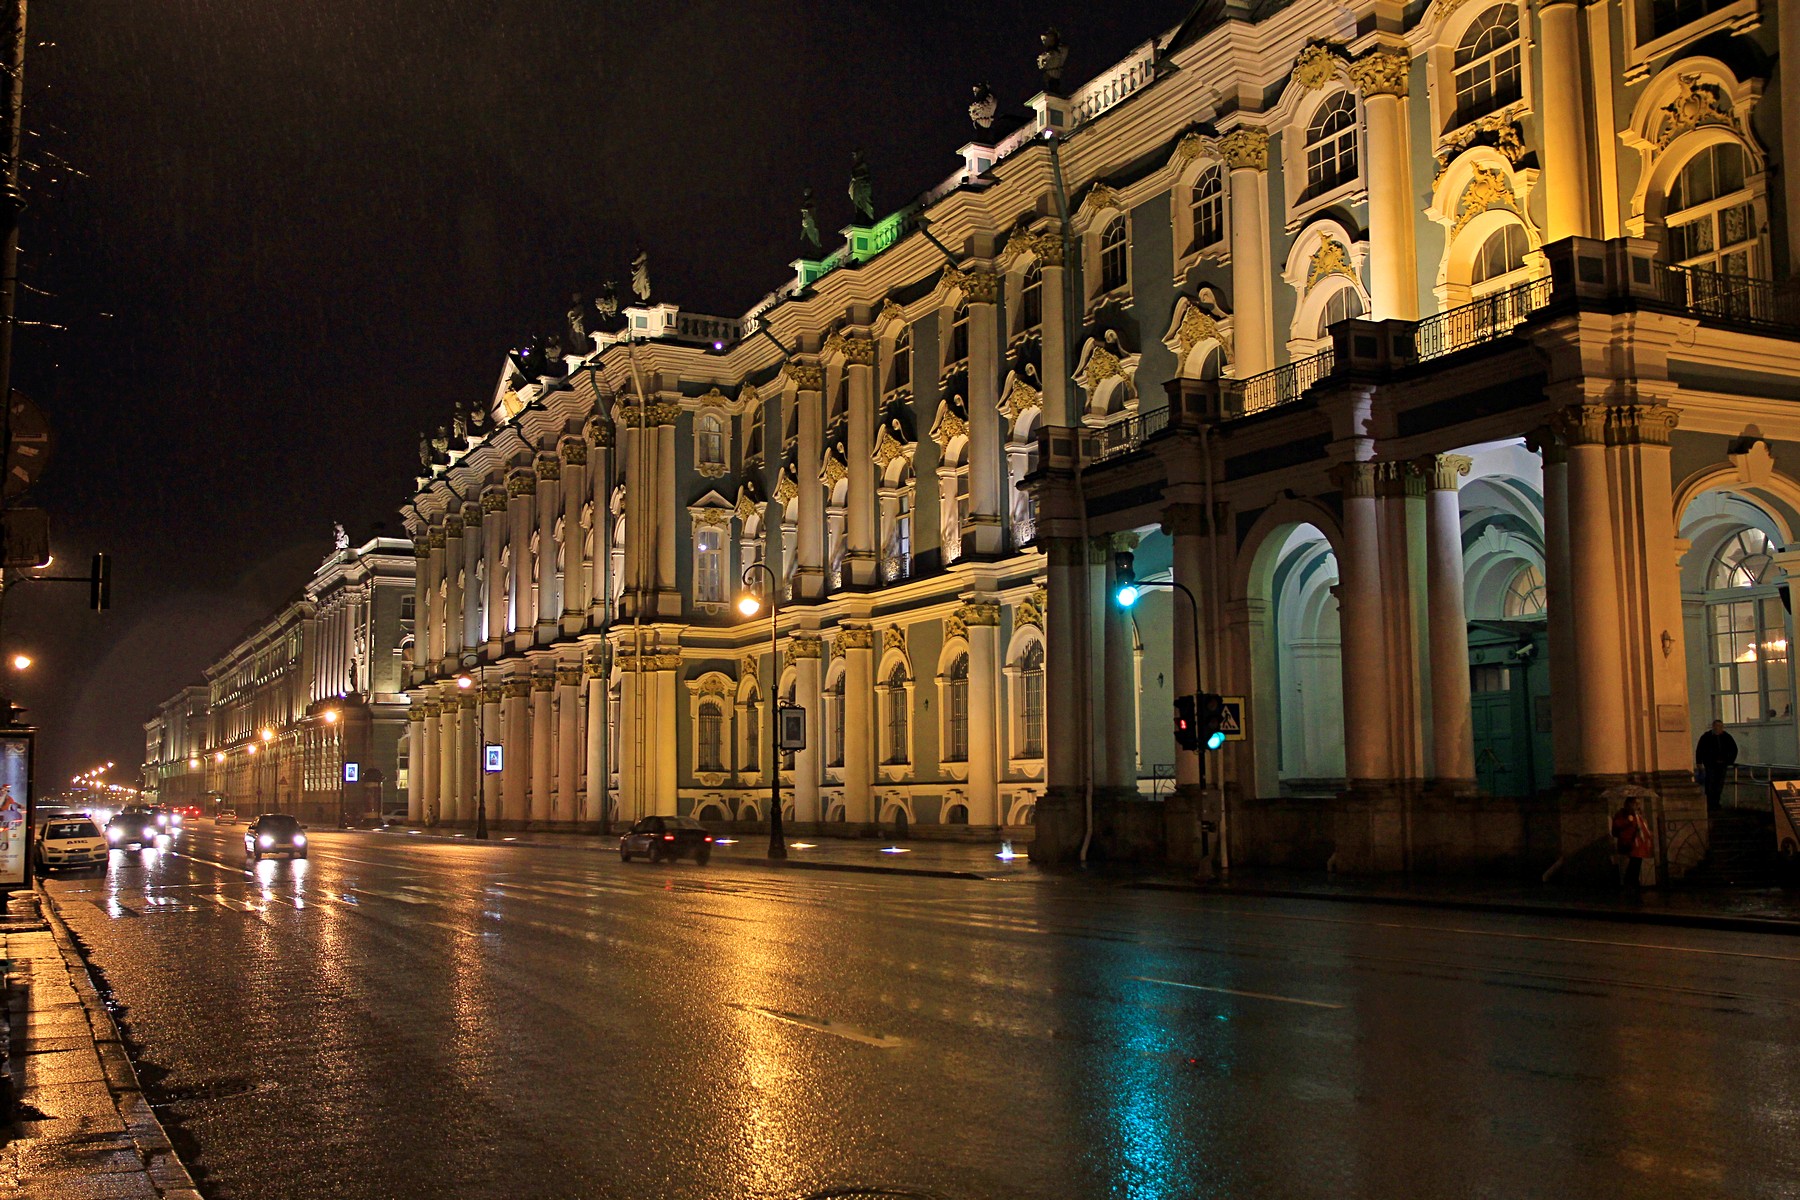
[791,720]
[493,760]
[15,810]
[351,772]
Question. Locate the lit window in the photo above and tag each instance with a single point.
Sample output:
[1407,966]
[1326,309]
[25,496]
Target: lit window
[956,711]
[1502,254]
[1031,298]
[1752,679]
[711,752]
[711,430]
[1031,702]
[709,567]
[901,371]
[1525,594]
[1113,269]
[1487,64]
[1743,561]
[752,735]
[1344,304]
[1209,208]
[1331,144]
[896,715]
[1710,215]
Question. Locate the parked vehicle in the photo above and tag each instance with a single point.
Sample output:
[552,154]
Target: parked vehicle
[659,838]
[68,842]
[227,816]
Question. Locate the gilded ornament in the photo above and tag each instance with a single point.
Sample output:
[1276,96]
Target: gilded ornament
[549,467]
[1488,188]
[1101,196]
[890,312]
[493,500]
[521,483]
[1245,149]
[746,507]
[664,413]
[979,614]
[593,668]
[981,287]
[833,471]
[1031,610]
[711,518]
[492,693]
[1354,479]
[1020,398]
[1197,325]
[453,527]
[1331,258]
[543,681]
[808,377]
[893,638]
[1697,104]
[568,674]
[1317,66]
[600,430]
[804,646]
[1193,146]
[853,637]
[574,451]
[948,426]
[416,713]
[1102,364]
[786,488]
[516,687]
[954,627]
[1444,471]
[859,352]
[436,538]
[888,448]
[1499,129]
[1382,73]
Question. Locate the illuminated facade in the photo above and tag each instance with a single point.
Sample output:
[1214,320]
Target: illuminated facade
[1434,350]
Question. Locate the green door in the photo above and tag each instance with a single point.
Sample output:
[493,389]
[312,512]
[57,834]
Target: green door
[1502,746]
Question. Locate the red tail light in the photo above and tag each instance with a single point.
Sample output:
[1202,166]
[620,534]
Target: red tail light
[668,837]
[709,837]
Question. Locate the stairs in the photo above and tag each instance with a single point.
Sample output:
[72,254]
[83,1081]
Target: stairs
[1740,851]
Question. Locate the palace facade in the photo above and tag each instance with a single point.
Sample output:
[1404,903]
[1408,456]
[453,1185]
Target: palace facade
[1436,351]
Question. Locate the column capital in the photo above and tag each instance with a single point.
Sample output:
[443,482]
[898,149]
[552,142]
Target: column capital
[1442,471]
[1399,479]
[516,687]
[543,681]
[521,482]
[859,351]
[1354,479]
[568,674]
[664,413]
[1547,442]
[549,467]
[1615,424]
[471,515]
[980,287]
[1185,520]
[808,377]
[804,645]
[1245,149]
[574,451]
[977,612]
[493,500]
[1382,73]
[453,526]
[599,430]
[855,637]
[435,539]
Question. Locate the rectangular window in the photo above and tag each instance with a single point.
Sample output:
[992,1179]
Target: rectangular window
[1752,678]
[956,740]
[1031,714]
[709,567]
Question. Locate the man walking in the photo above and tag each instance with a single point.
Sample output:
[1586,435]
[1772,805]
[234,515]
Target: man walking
[1716,752]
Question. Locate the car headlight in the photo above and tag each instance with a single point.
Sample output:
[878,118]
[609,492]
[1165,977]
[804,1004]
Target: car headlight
[266,841]
[299,839]
[113,835]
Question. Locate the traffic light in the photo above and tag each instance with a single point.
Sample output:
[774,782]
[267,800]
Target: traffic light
[100,583]
[1187,722]
[1211,729]
[1125,590]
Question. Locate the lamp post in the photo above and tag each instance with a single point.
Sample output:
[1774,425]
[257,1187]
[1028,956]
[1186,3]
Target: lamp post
[749,605]
[331,718]
[472,662]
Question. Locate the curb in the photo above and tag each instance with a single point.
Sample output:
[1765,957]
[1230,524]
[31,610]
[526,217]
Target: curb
[168,1175]
[1717,922]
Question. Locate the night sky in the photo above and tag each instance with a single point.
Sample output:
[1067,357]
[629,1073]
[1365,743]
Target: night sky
[280,239]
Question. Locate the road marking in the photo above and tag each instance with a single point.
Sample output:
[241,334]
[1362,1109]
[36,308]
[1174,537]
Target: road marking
[880,1041]
[230,903]
[211,863]
[1200,987]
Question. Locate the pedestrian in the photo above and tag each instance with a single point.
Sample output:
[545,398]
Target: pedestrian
[1631,834]
[1716,751]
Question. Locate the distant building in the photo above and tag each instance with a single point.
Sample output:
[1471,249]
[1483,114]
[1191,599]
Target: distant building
[310,690]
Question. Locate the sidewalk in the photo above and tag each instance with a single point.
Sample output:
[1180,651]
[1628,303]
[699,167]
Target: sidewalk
[84,1130]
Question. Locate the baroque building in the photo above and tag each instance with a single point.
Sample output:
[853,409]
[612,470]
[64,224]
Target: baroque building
[1436,351]
[315,686]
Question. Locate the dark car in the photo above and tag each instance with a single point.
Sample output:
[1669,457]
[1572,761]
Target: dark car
[275,833]
[657,838]
[135,830]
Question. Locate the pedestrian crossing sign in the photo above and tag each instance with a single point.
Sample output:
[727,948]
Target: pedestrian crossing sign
[1231,718]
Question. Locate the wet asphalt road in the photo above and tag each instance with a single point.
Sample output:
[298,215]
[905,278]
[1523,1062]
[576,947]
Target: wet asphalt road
[414,1019]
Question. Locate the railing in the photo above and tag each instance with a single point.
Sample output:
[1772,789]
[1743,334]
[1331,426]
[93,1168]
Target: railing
[1723,297]
[1112,87]
[1480,321]
[1285,384]
[1122,437]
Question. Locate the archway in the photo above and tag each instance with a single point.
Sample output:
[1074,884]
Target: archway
[1296,663]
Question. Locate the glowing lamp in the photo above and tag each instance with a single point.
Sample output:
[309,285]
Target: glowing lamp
[749,605]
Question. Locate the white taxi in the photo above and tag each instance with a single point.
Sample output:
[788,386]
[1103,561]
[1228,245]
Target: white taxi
[68,841]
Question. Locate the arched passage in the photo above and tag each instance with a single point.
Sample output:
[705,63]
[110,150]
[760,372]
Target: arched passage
[1296,664]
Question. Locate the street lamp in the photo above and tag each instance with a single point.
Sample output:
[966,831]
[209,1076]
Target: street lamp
[472,662]
[330,716]
[21,662]
[749,605]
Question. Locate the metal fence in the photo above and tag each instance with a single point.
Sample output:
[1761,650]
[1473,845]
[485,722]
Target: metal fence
[1285,384]
[1735,298]
[1481,320]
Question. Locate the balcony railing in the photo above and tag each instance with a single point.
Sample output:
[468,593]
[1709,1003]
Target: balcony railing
[1735,298]
[1122,437]
[1285,384]
[1481,320]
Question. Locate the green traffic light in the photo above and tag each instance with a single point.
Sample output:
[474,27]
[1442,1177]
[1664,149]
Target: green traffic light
[1216,739]
[1127,595]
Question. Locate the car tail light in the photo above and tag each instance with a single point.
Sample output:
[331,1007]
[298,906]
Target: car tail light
[668,837]
[709,837]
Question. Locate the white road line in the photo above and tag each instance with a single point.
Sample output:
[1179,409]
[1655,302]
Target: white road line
[210,862]
[1200,987]
[880,1041]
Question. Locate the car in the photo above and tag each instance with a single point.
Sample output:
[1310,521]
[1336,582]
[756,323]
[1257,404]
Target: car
[135,830]
[68,841]
[166,819]
[227,816]
[188,812]
[275,833]
[659,838]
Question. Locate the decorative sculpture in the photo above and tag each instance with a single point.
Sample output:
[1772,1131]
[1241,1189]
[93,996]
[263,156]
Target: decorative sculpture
[440,446]
[640,275]
[983,107]
[477,417]
[1051,59]
[809,218]
[339,539]
[862,188]
[579,342]
[424,451]
[607,303]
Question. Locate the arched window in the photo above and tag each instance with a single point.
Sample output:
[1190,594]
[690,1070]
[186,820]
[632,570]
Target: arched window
[1502,254]
[710,755]
[1113,268]
[1525,594]
[1208,203]
[959,336]
[834,723]
[1031,298]
[752,735]
[956,711]
[1031,702]
[1747,627]
[897,748]
[1343,304]
[1710,216]
[711,433]
[1487,64]
[901,372]
[1331,144]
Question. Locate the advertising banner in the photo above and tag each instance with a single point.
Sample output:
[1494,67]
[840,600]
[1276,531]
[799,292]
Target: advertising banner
[15,810]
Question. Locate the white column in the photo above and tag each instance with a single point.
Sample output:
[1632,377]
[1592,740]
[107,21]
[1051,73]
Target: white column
[986,455]
[493,543]
[549,589]
[445,807]
[543,745]
[805,650]
[862,558]
[468,763]
[575,494]
[640,490]
[417,756]
[600,434]
[597,726]
[858,643]
[1059,406]
[1246,153]
[982,621]
[809,539]
[1400,509]
[568,743]
[665,520]
[515,742]
[453,598]
[1366,723]
[1594,593]
[474,542]
[1566,183]
[1452,729]
[1393,263]
[521,490]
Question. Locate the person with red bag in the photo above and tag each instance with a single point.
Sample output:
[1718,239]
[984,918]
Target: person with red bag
[1631,834]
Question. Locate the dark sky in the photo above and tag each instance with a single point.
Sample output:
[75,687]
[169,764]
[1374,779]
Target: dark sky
[290,235]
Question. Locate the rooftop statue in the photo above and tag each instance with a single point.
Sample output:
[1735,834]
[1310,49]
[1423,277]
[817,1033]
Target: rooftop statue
[640,275]
[809,217]
[424,451]
[339,539]
[578,341]
[607,303]
[477,416]
[440,446]
[862,188]
[1051,59]
[983,107]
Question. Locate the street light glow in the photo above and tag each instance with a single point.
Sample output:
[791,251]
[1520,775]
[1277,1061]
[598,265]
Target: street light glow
[331,716]
[464,682]
[268,735]
[218,756]
[193,764]
[748,604]
[21,661]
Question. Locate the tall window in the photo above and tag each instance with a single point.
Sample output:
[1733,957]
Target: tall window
[1499,256]
[1343,304]
[1751,674]
[1113,268]
[902,368]
[709,566]
[834,727]
[1031,702]
[711,432]
[959,337]
[1209,208]
[1710,216]
[753,432]
[956,711]
[897,751]
[1031,298]
[711,753]
[1487,64]
[752,735]
[1666,16]
[1331,144]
